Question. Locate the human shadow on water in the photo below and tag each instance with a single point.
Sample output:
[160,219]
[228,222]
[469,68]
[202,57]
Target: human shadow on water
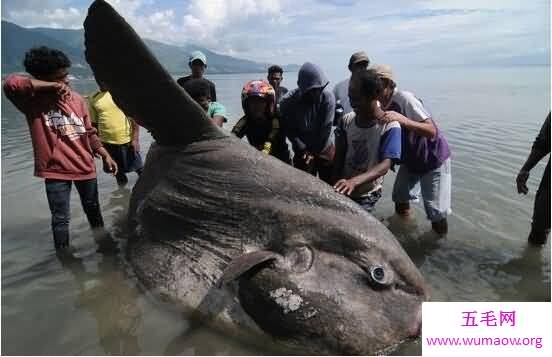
[110,298]
[525,277]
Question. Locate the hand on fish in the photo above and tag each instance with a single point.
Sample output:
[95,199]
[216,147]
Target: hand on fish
[345,186]
[308,157]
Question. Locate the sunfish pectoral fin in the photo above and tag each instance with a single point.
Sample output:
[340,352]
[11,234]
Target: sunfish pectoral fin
[244,263]
[138,83]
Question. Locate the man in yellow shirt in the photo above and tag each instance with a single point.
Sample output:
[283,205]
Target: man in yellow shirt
[118,133]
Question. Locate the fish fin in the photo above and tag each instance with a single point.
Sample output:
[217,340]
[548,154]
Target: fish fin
[138,83]
[245,262]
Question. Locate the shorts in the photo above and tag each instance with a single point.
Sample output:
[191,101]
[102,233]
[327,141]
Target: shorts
[435,187]
[368,202]
[124,155]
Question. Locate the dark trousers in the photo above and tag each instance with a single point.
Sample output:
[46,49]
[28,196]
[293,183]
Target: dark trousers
[59,198]
[369,201]
[541,211]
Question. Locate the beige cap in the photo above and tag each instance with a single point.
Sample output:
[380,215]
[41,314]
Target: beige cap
[384,71]
[357,57]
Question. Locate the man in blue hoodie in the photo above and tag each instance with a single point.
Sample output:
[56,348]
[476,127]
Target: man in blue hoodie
[307,114]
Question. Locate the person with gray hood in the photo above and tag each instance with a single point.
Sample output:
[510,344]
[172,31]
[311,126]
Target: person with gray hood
[307,114]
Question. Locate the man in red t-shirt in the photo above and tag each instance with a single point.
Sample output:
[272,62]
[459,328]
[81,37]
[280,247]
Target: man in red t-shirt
[64,141]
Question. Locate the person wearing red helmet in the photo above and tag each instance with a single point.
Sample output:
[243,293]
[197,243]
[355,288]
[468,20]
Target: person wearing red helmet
[260,124]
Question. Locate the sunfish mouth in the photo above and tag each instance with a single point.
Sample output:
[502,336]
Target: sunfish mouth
[416,328]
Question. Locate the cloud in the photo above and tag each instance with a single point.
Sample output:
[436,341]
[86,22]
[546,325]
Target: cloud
[56,18]
[479,4]
[432,32]
[208,20]
[203,22]
[52,13]
[157,24]
[423,32]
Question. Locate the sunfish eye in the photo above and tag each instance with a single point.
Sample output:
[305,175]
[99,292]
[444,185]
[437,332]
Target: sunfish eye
[377,273]
[300,258]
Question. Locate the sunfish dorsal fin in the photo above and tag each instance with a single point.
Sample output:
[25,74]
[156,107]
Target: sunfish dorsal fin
[138,83]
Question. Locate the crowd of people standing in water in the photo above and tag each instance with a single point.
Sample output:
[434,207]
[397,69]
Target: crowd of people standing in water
[349,137]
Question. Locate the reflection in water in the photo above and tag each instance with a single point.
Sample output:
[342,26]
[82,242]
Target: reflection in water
[117,206]
[110,299]
[418,245]
[522,278]
[525,277]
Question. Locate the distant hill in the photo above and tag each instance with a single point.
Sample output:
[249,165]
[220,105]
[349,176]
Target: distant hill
[16,40]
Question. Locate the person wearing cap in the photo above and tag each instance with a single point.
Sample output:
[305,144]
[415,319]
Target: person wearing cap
[275,77]
[359,61]
[307,114]
[199,90]
[371,147]
[260,124]
[198,64]
[425,159]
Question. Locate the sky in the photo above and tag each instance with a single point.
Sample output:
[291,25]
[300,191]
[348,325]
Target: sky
[399,32]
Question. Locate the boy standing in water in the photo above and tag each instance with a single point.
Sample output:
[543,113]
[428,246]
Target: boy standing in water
[260,124]
[371,147]
[64,141]
[119,134]
[425,161]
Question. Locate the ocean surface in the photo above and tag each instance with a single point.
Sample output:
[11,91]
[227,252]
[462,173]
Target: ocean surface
[490,117]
